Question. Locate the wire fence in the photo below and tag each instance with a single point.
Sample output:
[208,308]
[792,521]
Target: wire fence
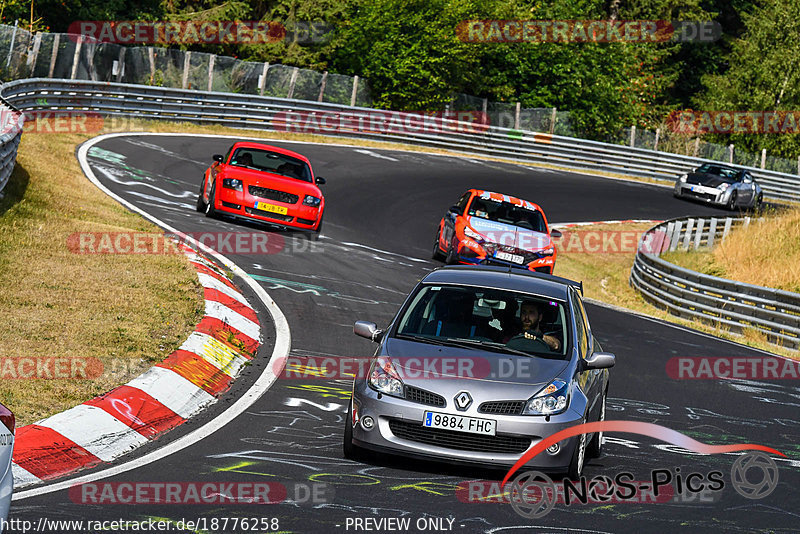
[67,56]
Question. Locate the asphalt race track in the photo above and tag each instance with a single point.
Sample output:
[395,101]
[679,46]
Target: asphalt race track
[383,208]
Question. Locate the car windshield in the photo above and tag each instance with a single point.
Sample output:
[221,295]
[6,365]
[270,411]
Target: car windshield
[508,213]
[265,160]
[724,172]
[489,319]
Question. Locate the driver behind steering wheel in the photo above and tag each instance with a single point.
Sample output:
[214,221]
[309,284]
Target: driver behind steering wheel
[531,313]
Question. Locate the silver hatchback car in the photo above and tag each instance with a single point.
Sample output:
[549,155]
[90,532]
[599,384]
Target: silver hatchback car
[480,364]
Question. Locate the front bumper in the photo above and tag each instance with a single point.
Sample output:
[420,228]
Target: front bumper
[242,204]
[399,430]
[477,255]
[709,195]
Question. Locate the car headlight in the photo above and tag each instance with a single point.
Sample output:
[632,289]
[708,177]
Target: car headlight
[469,232]
[311,201]
[684,177]
[232,183]
[551,400]
[548,251]
[384,378]
[723,187]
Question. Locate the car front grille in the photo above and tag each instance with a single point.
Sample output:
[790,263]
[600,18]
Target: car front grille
[421,396]
[272,194]
[460,441]
[702,196]
[502,407]
[269,214]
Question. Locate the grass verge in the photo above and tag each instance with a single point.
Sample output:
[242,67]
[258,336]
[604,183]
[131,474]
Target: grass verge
[127,311]
[773,262]
[605,278]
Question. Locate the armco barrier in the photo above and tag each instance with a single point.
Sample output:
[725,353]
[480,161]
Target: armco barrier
[269,113]
[11,121]
[692,295]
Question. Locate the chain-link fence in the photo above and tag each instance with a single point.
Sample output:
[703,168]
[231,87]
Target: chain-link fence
[66,56]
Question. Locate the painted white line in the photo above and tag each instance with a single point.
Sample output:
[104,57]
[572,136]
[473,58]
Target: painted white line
[244,325]
[280,352]
[95,430]
[375,154]
[173,391]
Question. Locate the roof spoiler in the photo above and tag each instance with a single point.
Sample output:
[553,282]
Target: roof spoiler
[518,270]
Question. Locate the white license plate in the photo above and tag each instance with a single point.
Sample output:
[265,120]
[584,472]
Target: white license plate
[459,423]
[513,258]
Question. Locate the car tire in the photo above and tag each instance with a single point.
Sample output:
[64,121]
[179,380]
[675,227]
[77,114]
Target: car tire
[350,451]
[731,205]
[452,257]
[759,202]
[210,211]
[318,231]
[578,459]
[437,252]
[595,448]
[201,206]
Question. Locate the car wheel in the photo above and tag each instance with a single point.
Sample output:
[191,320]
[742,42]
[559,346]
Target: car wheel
[578,458]
[732,201]
[759,201]
[596,446]
[437,252]
[201,206]
[452,256]
[351,452]
[318,231]
[210,211]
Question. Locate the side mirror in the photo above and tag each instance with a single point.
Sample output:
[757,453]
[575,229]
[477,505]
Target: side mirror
[600,360]
[555,233]
[368,330]
[748,179]
[320,180]
[455,209]
[218,157]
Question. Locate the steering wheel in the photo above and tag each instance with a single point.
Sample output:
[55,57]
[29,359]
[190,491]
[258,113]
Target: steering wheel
[524,343]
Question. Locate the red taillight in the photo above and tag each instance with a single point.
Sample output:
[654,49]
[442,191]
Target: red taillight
[7,418]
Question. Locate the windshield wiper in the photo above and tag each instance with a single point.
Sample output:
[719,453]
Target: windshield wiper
[487,345]
[423,339]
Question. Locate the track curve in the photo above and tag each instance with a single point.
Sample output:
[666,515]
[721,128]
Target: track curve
[383,208]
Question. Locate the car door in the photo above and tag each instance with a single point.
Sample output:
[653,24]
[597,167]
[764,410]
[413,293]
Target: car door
[590,379]
[748,188]
[450,217]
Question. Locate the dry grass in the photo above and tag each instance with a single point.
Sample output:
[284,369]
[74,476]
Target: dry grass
[128,311]
[605,279]
[766,253]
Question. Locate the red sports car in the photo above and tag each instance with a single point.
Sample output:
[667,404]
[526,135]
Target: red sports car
[492,228]
[265,183]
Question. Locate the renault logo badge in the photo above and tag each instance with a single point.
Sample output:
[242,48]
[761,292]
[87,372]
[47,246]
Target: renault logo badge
[463,400]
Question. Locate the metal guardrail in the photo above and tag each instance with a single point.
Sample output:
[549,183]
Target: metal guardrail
[692,295]
[11,122]
[270,113]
